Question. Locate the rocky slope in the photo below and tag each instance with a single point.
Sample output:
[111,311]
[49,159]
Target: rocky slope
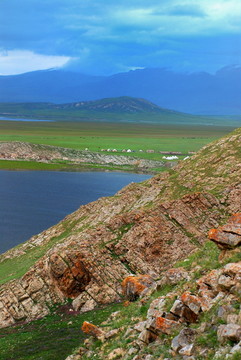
[46,153]
[144,229]
[190,313]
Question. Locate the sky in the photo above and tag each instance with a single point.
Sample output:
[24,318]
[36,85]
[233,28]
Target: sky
[104,37]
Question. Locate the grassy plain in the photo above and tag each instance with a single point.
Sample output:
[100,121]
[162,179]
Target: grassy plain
[103,135]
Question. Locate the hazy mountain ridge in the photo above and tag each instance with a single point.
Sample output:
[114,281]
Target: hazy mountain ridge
[120,109]
[199,93]
[125,104]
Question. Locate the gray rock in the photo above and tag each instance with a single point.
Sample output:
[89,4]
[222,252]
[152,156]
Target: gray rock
[232,319]
[177,308]
[229,332]
[187,350]
[156,307]
[183,339]
[140,326]
[224,311]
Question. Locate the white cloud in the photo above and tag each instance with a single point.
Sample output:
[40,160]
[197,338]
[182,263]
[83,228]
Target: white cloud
[19,61]
[181,17]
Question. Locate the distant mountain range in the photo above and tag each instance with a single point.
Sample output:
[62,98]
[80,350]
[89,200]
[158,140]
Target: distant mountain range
[120,109]
[197,93]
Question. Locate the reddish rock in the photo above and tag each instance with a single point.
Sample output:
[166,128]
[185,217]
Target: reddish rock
[92,330]
[165,326]
[133,286]
[183,312]
[193,302]
[69,273]
[228,236]
[230,278]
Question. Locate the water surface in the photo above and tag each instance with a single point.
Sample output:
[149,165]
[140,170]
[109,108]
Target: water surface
[22,119]
[32,201]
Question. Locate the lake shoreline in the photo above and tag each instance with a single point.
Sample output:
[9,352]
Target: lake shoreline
[11,165]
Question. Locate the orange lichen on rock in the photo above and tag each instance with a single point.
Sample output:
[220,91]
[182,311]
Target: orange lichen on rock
[192,301]
[235,219]
[166,326]
[92,330]
[212,234]
[126,303]
[132,286]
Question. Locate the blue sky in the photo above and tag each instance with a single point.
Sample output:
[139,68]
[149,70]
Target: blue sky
[103,37]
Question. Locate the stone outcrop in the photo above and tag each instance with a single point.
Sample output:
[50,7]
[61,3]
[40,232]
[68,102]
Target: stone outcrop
[133,286]
[92,330]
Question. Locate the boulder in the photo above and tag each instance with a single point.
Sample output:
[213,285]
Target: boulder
[187,350]
[133,286]
[92,330]
[183,339]
[183,312]
[230,278]
[229,332]
[227,236]
[193,302]
[156,307]
[161,325]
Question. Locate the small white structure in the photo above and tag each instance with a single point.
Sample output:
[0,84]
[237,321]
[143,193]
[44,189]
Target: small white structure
[173,157]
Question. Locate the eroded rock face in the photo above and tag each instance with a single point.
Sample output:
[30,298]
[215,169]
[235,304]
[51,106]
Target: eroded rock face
[70,273]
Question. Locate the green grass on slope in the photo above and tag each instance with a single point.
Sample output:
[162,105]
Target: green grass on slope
[53,337]
[14,268]
[67,166]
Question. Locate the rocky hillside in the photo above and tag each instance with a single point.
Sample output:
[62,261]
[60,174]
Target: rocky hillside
[46,153]
[190,313]
[144,229]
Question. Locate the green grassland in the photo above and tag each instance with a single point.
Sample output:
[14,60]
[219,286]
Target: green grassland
[103,135]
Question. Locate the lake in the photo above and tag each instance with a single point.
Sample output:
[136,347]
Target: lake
[32,201]
[31,120]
